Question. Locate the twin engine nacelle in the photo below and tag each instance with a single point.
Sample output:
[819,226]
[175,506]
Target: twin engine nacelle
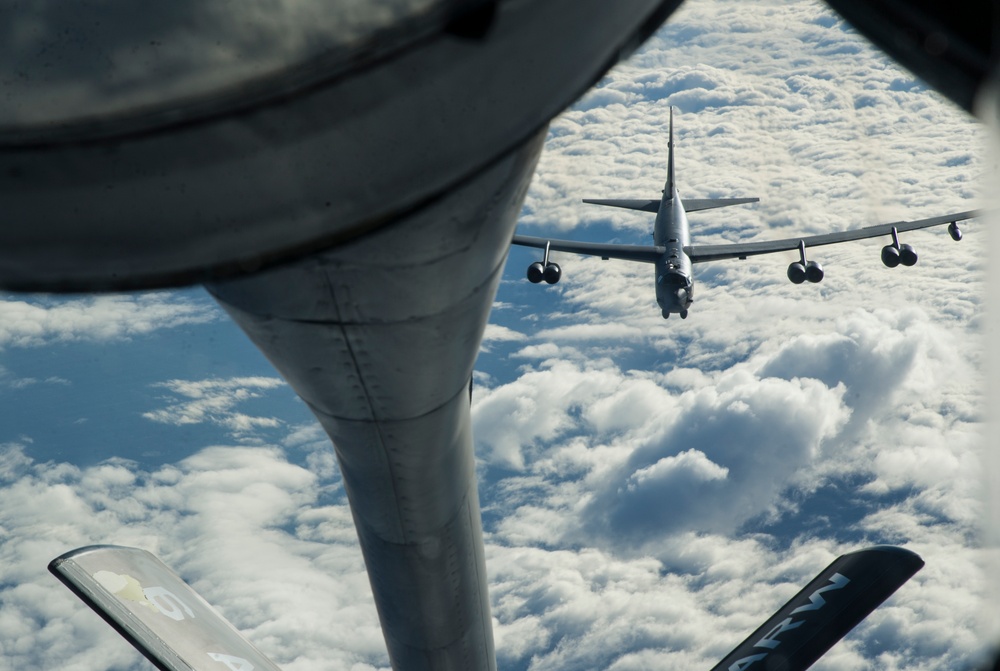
[903,254]
[550,272]
[892,255]
[799,272]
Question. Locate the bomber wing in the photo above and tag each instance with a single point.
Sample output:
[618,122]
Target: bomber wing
[741,250]
[643,253]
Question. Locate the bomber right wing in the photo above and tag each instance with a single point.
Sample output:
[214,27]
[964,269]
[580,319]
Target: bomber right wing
[741,250]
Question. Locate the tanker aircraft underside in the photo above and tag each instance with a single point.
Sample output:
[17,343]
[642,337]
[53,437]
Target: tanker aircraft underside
[672,253]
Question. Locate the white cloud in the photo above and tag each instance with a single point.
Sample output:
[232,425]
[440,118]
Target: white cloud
[591,609]
[10,381]
[240,524]
[641,458]
[98,318]
[497,333]
[214,401]
[690,465]
[511,418]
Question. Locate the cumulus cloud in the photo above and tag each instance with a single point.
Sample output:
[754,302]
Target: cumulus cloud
[242,525]
[539,406]
[10,381]
[591,609]
[214,401]
[637,454]
[497,333]
[98,318]
[643,459]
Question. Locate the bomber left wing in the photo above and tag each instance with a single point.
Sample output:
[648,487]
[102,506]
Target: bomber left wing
[741,250]
[644,253]
[551,272]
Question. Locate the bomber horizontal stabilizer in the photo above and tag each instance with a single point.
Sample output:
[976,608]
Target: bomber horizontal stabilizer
[696,204]
[156,611]
[836,600]
[693,205]
[628,204]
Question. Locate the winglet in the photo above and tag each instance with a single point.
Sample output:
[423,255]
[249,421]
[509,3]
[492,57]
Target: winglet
[156,611]
[670,158]
[836,600]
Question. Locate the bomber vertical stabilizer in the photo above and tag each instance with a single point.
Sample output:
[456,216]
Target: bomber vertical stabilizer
[669,188]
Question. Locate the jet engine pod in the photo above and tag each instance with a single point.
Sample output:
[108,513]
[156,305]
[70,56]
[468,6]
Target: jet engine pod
[814,272]
[552,273]
[890,256]
[536,272]
[797,273]
[954,231]
[907,255]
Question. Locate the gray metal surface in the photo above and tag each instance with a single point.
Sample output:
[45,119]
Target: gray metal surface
[379,337]
[222,185]
[76,63]
[734,250]
[159,613]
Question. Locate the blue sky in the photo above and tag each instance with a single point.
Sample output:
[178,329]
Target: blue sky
[651,489]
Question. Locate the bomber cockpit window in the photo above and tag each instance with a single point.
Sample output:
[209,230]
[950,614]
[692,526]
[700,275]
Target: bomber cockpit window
[676,279]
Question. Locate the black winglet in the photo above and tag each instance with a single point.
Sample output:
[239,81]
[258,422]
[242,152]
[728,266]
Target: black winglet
[836,600]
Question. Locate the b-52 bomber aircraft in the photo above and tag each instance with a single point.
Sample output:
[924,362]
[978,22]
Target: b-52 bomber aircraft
[672,253]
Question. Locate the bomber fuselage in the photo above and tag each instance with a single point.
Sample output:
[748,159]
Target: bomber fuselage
[674,288]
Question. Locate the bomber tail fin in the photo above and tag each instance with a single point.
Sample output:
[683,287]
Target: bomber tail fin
[693,205]
[836,601]
[669,187]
